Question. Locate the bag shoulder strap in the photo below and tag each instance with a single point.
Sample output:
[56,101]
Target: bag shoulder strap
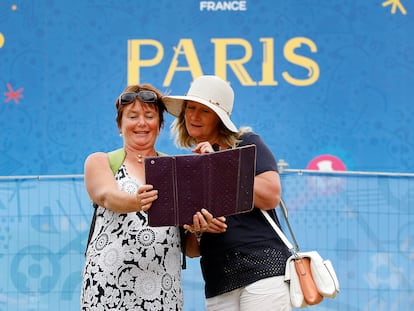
[116,158]
[293,248]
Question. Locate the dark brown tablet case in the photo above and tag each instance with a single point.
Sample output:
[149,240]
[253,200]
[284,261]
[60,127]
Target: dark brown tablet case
[221,182]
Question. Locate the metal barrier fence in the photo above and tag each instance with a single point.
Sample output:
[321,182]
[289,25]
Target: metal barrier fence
[362,221]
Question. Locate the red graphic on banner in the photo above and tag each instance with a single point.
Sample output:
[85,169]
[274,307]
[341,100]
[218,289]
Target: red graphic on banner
[328,185]
[326,163]
[11,94]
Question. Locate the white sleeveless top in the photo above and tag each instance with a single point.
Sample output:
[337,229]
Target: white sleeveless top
[129,265]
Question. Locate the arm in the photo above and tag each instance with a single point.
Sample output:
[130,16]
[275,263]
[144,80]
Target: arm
[267,190]
[192,245]
[103,190]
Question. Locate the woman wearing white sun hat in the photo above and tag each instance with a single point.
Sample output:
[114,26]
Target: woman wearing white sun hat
[243,268]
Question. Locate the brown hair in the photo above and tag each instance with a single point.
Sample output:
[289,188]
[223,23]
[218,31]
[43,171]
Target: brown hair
[159,104]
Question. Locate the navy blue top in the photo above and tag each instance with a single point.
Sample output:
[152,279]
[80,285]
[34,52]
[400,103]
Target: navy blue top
[250,249]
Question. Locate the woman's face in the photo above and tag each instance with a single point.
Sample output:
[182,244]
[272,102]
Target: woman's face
[140,125]
[201,122]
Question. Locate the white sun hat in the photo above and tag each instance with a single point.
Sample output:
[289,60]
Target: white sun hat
[210,91]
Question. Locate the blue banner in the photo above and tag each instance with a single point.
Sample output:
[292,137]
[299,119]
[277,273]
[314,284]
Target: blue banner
[314,78]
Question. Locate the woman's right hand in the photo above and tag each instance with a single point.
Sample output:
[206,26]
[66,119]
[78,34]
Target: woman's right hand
[203,147]
[145,196]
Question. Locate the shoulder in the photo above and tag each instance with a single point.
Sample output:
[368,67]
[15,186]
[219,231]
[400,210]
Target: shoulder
[265,160]
[96,158]
[248,138]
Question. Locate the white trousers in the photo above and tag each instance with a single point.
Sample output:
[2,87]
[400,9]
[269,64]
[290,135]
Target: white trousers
[270,294]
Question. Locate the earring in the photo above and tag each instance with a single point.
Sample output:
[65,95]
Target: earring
[120,134]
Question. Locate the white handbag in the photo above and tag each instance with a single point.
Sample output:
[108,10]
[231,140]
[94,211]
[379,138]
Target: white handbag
[322,271]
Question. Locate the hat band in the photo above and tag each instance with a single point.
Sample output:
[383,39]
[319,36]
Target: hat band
[218,104]
[212,102]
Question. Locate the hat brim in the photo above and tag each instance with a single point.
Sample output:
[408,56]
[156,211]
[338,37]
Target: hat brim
[174,105]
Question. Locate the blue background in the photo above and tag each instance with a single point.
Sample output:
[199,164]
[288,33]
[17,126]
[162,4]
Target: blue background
[67,61]
[70,61]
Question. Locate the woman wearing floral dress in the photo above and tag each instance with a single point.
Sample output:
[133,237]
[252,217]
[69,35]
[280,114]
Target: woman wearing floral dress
[130,265]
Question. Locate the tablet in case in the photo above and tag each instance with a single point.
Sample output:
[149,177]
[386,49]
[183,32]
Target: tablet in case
[221,182]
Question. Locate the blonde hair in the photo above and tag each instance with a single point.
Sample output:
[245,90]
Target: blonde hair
[184,140]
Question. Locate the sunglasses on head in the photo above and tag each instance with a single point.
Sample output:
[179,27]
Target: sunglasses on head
[144,96]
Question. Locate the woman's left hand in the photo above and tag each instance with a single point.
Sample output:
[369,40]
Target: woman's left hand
[217,225]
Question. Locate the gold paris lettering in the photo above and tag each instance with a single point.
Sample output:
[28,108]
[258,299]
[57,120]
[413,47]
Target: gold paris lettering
[185,58]
[311,66]
[237,65]
[135,62]
[186,49]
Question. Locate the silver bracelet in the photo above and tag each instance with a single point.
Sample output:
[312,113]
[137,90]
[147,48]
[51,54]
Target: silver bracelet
[198,234]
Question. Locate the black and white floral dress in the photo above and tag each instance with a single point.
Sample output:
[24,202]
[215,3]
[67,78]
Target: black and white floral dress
[129,265]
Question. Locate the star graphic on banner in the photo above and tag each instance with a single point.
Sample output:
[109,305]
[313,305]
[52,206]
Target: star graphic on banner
[11,94]
[395,4]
